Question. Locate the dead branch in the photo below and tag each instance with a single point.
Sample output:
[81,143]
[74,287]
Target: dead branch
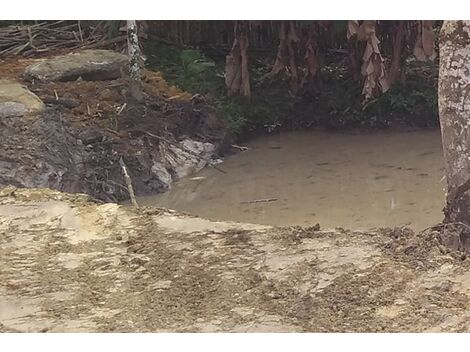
[128,182]
[29,40]
[239,147]
[260,201]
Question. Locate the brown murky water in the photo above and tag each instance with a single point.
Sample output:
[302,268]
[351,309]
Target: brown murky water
[352,181]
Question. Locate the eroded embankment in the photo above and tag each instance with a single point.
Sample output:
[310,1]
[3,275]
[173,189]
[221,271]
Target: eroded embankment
[71,264]
[74,141]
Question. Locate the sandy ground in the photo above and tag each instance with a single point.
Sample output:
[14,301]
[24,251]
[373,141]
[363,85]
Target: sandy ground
[70,264]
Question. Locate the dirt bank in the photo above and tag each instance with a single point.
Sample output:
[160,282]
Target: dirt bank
[72,264]
[87,126]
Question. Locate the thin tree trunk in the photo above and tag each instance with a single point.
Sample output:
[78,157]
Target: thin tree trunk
[454,115]
[135,83]
[237,75]
[396,68]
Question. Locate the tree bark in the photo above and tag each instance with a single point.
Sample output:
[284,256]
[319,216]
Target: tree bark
[397,65]
[135,83]
[286,57]
[454,115]
[237,75]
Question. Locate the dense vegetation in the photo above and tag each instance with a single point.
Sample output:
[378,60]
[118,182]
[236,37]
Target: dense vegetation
[333,99]
[265,75]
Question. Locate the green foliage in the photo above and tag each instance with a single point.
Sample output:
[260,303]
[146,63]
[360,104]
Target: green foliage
[337,102]
[196,72]
[186,68]
[192,71]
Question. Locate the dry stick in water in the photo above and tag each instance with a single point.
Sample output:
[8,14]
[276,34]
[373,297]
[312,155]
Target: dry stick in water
[239,147]
[260,201]
[128,182]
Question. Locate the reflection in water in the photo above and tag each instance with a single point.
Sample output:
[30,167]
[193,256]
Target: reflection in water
[352,181]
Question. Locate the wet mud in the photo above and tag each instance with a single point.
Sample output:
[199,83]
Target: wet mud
[73,264]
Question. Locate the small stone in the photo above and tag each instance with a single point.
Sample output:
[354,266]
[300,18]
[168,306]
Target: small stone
[17,100]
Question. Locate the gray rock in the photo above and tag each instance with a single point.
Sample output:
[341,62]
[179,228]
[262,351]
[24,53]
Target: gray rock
[10,109]
[17,100]
[188,157]
[90,65]
[159,170]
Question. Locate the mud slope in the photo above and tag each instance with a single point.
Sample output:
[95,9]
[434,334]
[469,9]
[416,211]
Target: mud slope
[68,263]
[74,141]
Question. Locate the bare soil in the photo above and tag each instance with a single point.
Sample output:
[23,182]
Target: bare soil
[88,126]
[73,264]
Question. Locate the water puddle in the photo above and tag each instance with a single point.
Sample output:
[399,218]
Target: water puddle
[303,178]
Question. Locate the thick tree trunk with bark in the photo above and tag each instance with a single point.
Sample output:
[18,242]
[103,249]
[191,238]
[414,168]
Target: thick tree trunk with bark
[454,115]
[135,83]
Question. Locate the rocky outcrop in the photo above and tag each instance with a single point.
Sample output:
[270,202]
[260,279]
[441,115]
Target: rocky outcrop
[17,100]
[90,65]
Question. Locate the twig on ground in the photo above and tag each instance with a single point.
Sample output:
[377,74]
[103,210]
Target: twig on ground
[121,108]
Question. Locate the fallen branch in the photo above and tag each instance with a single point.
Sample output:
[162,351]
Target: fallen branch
[128,182]
[260,201]
[105,43]
[218,169]
[121,108]
[28,40]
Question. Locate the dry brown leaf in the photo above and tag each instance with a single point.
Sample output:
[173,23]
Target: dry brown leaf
[373,67]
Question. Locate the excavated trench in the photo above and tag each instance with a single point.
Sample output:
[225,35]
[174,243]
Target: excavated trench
[71,263]
[74,141]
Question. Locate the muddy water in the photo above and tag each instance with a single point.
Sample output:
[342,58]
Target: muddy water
[352,181]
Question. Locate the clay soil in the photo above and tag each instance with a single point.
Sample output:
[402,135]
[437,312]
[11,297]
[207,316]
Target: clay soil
[73,264]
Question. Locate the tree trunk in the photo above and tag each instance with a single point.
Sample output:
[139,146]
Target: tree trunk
[454,115]
[397,65]
[135,83]
[286,58]
[237,75]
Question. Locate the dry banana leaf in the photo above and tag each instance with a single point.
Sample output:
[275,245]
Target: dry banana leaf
[373,66]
